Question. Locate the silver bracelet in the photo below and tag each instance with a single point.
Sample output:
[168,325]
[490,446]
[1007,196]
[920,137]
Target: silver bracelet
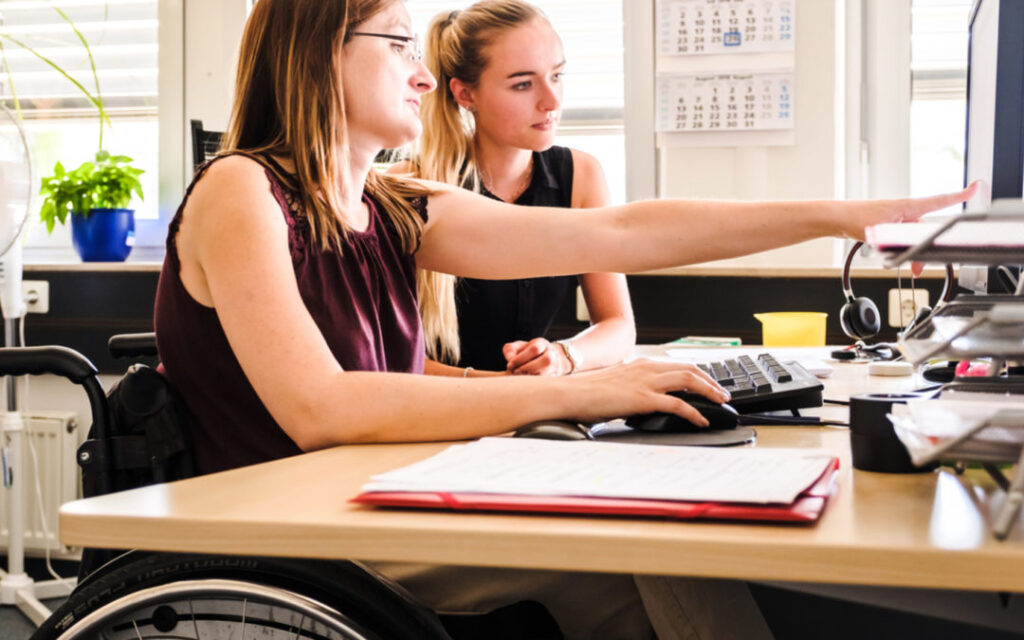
[572,354]
[465,372]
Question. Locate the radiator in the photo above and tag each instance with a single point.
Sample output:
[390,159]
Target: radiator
[56,437]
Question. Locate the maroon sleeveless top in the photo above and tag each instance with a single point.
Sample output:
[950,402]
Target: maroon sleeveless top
[363,300]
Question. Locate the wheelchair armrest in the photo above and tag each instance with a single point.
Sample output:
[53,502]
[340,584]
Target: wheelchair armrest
[132,345]
[35,361]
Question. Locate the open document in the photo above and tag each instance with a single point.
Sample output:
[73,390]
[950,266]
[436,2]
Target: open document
[526,467]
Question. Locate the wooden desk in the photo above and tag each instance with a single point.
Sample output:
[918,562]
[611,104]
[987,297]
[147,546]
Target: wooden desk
[924,530]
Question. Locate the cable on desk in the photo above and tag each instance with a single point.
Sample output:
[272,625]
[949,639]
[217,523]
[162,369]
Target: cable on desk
[753,419]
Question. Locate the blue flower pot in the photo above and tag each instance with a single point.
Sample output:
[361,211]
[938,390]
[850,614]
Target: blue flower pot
[105,235]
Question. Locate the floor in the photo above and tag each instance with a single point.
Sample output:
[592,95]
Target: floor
[13,623]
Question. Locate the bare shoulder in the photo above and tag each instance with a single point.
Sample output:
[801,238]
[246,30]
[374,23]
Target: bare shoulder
[233,198]
[232,183]
[232,170]
[589,187]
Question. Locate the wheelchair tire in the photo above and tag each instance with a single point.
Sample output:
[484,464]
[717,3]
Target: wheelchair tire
[220,597]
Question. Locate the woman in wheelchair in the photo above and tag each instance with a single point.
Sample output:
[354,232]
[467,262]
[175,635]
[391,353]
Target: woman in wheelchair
[287,319]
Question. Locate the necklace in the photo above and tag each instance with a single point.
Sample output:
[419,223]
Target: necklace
[524,182]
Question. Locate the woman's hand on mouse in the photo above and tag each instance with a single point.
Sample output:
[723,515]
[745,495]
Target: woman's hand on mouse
[639,386]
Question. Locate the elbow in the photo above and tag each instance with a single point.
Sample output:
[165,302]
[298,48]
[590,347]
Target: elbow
[628,331]
[311,427]
[625,330]
[621,335]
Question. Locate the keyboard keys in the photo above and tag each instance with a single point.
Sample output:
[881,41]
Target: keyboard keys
[762,383]
[740,389]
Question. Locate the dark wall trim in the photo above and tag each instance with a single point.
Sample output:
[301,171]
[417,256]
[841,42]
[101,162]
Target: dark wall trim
[86,308]
[669,307]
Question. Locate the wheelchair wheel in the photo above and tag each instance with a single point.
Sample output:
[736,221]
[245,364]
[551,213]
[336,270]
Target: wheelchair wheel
[220,597]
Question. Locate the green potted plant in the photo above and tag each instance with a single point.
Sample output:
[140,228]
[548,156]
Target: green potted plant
[97,193]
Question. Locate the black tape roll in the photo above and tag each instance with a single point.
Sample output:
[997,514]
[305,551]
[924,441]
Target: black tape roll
[873,440]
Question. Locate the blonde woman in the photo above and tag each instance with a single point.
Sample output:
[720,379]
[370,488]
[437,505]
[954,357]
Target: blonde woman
[287,318]
[491,127]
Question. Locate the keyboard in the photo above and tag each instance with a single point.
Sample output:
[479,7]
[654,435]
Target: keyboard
[764,384]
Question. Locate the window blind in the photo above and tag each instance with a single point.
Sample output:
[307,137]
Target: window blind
[591,32]
[939,49]
[122,35]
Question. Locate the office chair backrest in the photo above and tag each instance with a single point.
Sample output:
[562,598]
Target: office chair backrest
[205,144]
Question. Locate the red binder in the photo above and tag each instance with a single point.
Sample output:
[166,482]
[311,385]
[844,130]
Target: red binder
[807,507]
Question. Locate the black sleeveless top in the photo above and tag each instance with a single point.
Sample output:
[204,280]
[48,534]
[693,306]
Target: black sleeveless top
[363,300]
[493,312]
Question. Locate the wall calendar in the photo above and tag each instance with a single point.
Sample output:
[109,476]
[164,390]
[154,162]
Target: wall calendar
[725,102]
[695,27]
[724,70]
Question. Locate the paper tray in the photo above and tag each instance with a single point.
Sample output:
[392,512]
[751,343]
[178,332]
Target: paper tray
[968,327]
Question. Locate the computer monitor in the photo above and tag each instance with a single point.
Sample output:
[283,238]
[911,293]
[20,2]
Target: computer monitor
[994,148]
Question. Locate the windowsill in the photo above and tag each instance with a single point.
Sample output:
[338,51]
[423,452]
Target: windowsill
[65,259]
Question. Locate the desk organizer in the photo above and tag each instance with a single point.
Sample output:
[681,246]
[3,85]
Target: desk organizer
[974,326]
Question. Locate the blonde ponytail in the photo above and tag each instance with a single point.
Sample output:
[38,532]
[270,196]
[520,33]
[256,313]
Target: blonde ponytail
[454,48]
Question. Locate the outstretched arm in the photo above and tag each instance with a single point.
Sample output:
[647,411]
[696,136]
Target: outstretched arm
[473,236]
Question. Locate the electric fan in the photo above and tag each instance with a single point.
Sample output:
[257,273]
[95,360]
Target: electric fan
[16,587]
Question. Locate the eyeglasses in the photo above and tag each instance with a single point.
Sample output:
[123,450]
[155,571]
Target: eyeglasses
[410,44]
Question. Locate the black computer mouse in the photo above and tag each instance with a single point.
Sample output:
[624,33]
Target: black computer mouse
[940,372]
[720,416]
[553,430]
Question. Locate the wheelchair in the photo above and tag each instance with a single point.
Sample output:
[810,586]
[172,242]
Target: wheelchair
[138,594]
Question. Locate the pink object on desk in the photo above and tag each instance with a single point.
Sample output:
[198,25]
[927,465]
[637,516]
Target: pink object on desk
[968,369]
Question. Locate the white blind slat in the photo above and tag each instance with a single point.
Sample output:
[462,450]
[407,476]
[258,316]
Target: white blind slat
[122,35]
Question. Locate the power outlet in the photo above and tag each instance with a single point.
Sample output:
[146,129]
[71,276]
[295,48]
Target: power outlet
[36,294]
[904,304]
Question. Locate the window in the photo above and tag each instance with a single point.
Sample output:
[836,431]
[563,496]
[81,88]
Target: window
[939,92]
[592,115]
[59,121]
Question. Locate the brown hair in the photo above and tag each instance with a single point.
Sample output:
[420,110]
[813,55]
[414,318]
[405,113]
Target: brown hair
[289,101]
[455,47]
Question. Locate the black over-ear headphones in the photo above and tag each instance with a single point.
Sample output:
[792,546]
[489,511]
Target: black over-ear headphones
[859,317]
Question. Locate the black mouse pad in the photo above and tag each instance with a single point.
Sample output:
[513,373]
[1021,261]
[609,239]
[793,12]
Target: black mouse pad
[617,431]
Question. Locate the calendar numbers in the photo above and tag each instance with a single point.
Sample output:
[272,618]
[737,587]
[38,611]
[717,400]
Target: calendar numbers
[694,27]
[725,102]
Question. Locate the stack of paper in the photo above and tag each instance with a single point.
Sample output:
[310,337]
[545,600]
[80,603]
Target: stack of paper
[927,427]
[548,475]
